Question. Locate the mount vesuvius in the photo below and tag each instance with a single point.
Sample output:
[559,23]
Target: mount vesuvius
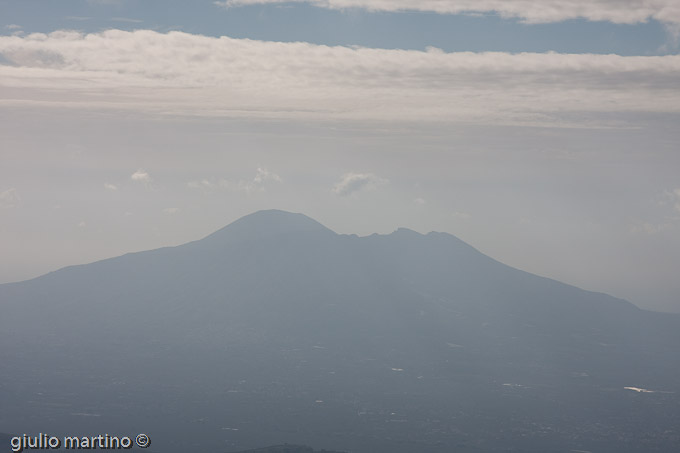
[277,330]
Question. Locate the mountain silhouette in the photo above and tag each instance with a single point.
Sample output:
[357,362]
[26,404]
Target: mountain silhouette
[276,329]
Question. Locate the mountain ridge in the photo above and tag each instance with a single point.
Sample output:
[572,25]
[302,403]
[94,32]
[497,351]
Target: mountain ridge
[279,330]
[258,226]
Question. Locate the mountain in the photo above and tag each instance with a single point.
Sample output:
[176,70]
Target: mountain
[276,329]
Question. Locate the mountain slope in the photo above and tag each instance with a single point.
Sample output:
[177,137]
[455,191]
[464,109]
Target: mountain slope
[276,329]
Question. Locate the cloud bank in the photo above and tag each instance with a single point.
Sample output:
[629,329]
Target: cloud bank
[183,74]
[530,11]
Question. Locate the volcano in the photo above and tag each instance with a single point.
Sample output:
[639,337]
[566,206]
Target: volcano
[277,330]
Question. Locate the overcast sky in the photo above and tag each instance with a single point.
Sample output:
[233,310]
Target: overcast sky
[545,133]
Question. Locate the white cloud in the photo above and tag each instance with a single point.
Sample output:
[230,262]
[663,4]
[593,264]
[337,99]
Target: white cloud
[9,198]
[111,186]
[13,27]
[462,215]
[183,74]
[210,185]
[257,184]
[171,211]
[263,175]
[141,176]
[420,201]
[82,224]
[355,182]
[531,11]
[676,192]
[203,184]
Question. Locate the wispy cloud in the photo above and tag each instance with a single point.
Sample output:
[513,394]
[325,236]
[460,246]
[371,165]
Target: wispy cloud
[262,175]
[531,11]
[9,198]
[257,184]
[202,184]
[181,73]
[670,198]
[351,183]
[667,219]
[171,211]
[111,187]
[650,228]
[141,176]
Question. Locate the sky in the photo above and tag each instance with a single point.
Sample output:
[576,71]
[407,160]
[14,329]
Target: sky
[544,133]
